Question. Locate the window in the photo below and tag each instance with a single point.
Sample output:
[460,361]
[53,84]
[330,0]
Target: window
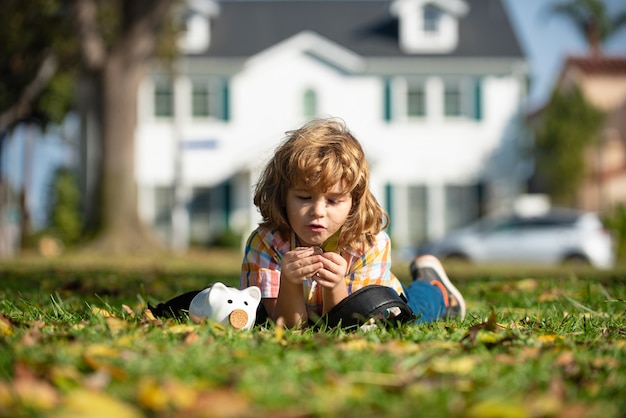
[432,17]
[209,98]
[463,98]
[200,211]
[453,98]
[163,99]
[200,100]
[418,223]
[416,100]
[309,103]
[164,201]
[462,205]
[409,98]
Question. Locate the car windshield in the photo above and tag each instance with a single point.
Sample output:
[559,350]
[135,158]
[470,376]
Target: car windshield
[504,223]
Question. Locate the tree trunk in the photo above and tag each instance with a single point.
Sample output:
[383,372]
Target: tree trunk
[121,231]
[594,39]
[120,68]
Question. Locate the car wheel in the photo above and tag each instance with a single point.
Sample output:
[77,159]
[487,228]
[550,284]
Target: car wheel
[456,258]
[576,260]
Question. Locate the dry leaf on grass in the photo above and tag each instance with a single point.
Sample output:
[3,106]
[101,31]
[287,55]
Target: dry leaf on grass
[86,403]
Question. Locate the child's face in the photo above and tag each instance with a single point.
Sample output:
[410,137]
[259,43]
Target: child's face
[315,217]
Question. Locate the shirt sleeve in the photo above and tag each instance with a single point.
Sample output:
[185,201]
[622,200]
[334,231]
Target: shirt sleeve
[373,267]
[260,267]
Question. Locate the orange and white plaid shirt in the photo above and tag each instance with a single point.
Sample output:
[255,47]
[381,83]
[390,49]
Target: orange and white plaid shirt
[265,249]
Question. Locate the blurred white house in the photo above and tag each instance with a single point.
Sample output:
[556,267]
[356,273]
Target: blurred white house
[432,89]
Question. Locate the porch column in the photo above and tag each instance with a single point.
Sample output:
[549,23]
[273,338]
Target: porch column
[400,206]
[436,210]
[179,239]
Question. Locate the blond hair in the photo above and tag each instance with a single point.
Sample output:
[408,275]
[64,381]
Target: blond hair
[317,156]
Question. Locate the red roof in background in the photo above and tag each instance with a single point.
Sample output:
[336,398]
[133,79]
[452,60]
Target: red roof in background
[604,65]
[598,65]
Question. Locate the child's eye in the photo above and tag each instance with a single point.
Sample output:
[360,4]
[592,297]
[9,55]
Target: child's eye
[335,201]
[302,197]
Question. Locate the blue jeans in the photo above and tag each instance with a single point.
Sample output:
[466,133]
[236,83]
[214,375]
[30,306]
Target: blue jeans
[425,300]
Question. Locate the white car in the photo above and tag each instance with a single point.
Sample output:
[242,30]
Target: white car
[558,236]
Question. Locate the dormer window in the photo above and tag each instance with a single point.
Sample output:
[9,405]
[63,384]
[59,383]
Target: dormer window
[432,17]
[196,37]
[428,26]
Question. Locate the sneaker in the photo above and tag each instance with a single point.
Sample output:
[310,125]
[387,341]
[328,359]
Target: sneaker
[428,268]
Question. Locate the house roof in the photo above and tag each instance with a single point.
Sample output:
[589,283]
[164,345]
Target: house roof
[246,27]
[604,65]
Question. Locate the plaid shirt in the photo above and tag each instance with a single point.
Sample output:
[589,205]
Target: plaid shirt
[265,249]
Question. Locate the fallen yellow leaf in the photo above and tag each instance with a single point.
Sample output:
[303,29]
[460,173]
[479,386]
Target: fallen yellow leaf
[102,312]
[280,329]
[181,329]
[151,395]
[116,325]
[461,366]
[5,326]
[36,394]
[497,408]
[527,285]
[84,403]
[359,344]
[147,314]
[128,310]
[170,395]
[99,356]
[487,337]
[549,339]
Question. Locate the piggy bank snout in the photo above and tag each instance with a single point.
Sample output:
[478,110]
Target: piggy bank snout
[238,318]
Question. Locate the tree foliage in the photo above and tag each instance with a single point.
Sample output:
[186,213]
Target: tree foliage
[65,221]
[591,18]
[568,127]
[47,45]
[39,53]
[616,222]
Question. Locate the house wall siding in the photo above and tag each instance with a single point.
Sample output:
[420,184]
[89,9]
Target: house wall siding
[413,161]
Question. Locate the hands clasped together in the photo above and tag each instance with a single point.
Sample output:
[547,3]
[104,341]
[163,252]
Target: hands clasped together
[328,269]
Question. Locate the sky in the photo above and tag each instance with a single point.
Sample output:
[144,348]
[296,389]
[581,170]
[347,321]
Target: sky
[546,39]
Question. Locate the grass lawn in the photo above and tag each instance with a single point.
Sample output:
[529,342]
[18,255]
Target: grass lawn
[75,342]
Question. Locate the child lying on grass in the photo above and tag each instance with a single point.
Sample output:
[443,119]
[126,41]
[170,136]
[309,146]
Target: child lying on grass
[322,236]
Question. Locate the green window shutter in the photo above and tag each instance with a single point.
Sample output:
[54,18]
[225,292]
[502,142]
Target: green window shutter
[226,100]
[228,195]
[387,98]
[478,99]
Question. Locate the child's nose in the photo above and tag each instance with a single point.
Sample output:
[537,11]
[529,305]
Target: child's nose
[318,207]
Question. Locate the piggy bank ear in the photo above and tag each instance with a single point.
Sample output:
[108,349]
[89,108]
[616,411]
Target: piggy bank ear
[254,292]
[218,295]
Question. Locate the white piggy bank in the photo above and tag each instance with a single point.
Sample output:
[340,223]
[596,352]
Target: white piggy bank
[226,305]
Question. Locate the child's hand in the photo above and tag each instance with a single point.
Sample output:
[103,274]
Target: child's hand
[300,264]
[334,270]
